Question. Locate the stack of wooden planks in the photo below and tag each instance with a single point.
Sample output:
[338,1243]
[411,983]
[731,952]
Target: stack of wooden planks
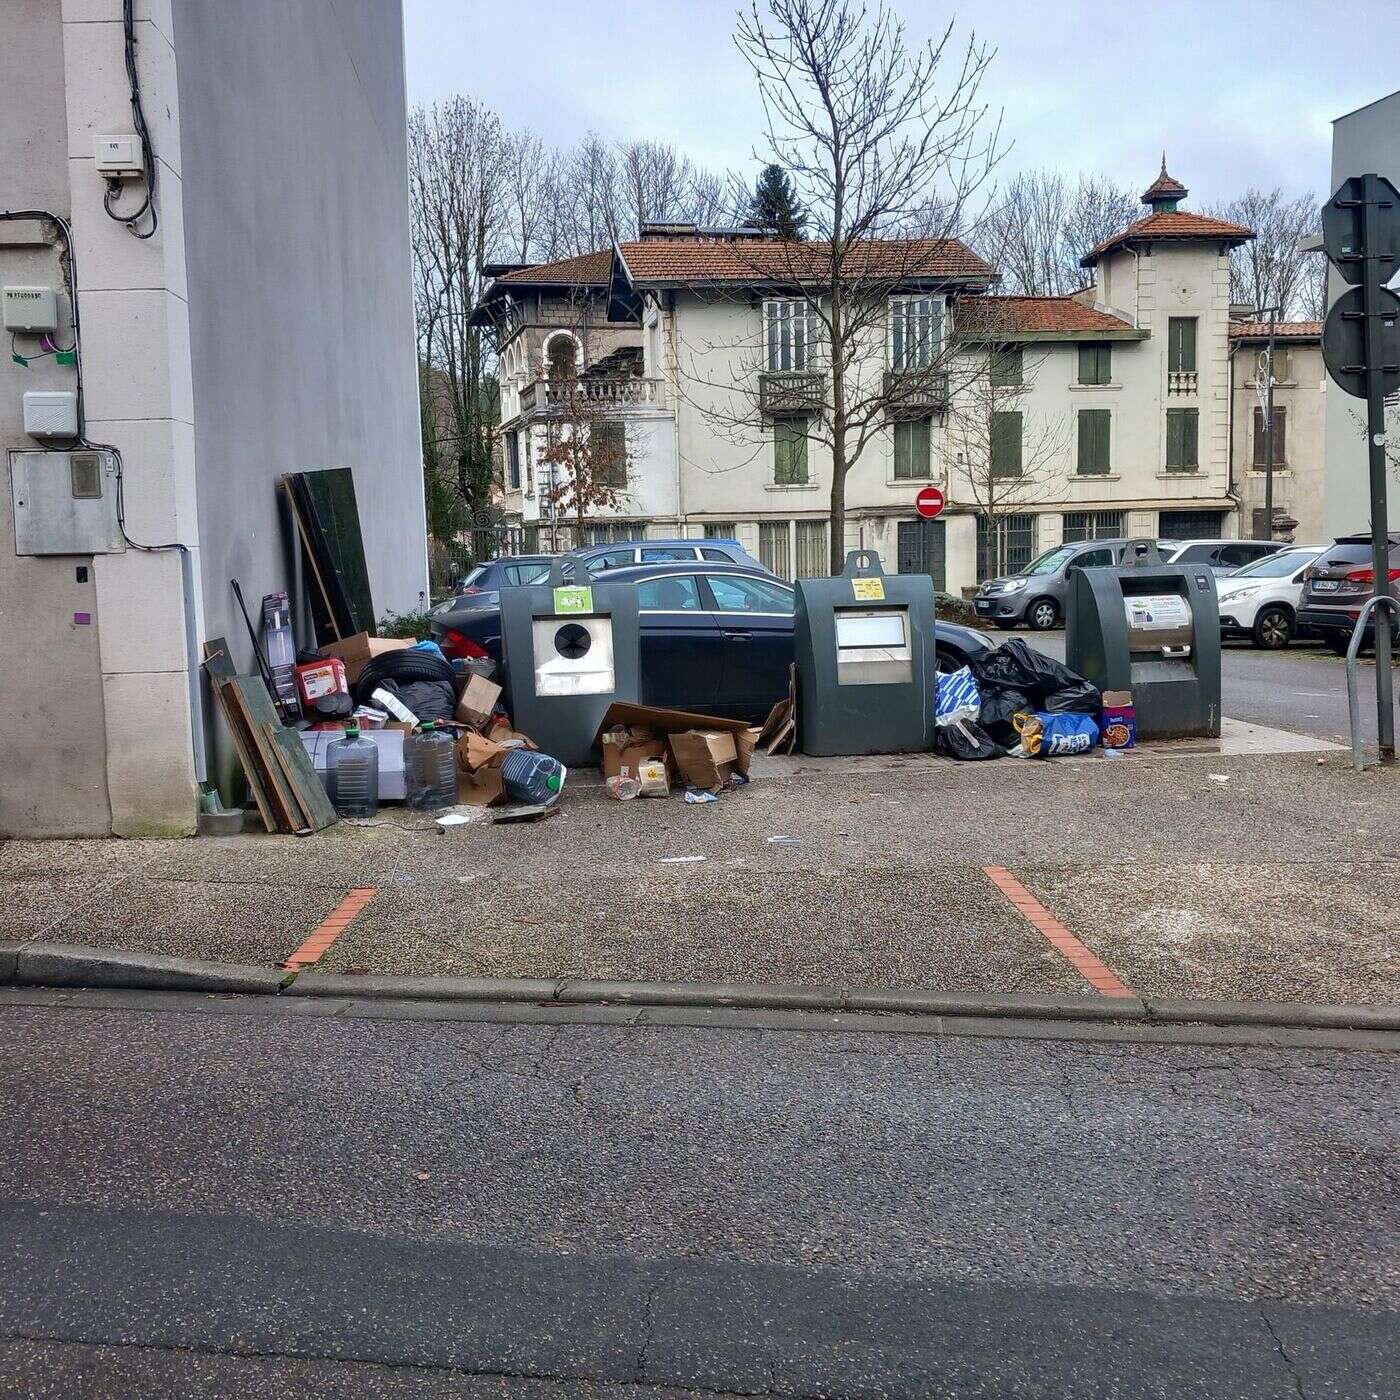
[279,771]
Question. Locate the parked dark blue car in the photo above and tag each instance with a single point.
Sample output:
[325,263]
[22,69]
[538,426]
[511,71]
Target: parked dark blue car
[716,638]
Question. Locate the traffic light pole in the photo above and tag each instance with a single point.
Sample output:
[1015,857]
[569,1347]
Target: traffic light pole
[1375,450]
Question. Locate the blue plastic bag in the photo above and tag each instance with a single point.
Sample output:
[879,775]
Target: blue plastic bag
[1066,733]
[957,698]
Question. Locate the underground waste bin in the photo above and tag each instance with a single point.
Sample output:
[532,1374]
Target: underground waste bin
[569,648]
[1152,629]
[867,680]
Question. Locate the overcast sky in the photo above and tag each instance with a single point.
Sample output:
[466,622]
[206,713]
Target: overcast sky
[1239,92]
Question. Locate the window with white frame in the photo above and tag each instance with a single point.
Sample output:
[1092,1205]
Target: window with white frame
[916,331]
[788,329]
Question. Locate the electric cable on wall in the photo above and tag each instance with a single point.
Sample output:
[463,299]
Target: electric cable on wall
[147,208]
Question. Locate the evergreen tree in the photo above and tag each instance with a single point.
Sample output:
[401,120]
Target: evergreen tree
[774,207]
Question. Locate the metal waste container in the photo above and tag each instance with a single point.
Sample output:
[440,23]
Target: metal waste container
[1152,629]
[865,660]
[570,647]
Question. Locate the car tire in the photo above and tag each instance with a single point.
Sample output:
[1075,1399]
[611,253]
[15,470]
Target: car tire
[1042,614]
[1273,629]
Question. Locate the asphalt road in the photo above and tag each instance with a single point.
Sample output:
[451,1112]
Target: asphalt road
[230,1202]
[1302,689]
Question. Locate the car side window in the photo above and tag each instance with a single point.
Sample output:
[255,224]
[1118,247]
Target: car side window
[1237,555]
[1092,559]
[716,554]
[736,594]
[673,594]
[662,554]
[613,559]
[1193,553]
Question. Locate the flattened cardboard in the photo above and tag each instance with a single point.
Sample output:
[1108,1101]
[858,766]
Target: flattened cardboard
[661,721]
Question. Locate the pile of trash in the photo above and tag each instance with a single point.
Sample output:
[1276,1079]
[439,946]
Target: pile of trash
[650,752]
[1014,700]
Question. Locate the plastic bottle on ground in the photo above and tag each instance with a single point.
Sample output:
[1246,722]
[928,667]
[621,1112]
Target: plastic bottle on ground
[352,774]
[532,777]
[432,769]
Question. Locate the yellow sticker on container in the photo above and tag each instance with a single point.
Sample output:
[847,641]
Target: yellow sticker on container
[869,590]
[573,600]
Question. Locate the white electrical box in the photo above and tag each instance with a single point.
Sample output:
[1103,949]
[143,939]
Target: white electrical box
[119,156]
[65,503]
[51,413]
[32,309]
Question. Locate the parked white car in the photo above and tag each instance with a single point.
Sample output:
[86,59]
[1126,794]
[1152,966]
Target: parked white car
[1260,601]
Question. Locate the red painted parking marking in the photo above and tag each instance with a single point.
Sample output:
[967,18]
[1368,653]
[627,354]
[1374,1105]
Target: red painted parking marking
[1096,973]
[335,923]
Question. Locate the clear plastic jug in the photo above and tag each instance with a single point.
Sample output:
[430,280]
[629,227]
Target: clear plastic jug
[352,774]
[432,769]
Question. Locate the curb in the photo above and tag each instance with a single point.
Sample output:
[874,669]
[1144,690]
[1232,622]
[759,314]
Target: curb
[36,964]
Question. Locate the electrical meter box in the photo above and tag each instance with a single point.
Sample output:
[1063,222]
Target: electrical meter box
[1152,629]
[51,413]
[570,647]
[65,503]
[866,660]
[32,310]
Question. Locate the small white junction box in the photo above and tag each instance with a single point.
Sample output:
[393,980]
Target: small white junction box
[32,309]
[119,156]
[51,413]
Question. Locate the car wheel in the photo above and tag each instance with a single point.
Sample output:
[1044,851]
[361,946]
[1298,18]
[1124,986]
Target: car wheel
[1273,629]
[1042,614]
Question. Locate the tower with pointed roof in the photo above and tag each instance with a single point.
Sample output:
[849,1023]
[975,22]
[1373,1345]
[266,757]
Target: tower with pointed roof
[1164,194]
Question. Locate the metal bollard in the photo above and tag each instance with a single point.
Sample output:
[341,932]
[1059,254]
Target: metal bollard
[1353,652]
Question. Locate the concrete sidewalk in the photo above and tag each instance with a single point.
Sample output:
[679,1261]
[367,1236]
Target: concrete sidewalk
[1247,876]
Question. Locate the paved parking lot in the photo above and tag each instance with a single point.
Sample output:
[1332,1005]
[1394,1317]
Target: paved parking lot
[1185,874]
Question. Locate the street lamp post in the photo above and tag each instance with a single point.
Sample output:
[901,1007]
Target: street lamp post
[1272,312]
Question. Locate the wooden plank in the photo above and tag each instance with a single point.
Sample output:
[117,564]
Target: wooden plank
[300,774]
[309,554]
[242,694]
[219,665]
[284,767]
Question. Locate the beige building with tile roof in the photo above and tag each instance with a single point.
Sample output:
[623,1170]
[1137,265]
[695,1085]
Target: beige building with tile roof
[1117,400]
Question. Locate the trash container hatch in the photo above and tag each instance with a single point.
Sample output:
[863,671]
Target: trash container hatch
[1152,629]
[570,648]
[866,660]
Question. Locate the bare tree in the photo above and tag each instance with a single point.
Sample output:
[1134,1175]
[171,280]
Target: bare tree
[1271,269]
[1042,224]
[531,191]
[1000,458]
[457,165]
[592,187]
[886,143]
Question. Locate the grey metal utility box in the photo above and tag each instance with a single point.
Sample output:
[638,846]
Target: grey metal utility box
[570,647]
[866,662]
[1152,629]
[66,502]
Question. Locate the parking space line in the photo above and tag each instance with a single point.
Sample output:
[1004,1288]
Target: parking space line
[330,928]
[1096,973]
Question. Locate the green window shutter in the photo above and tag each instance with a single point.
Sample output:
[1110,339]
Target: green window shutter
[1181,343]
[790,451]
[1189,346]
[1006,444]
[1105,364]
[1093,441]
[912,449]
[1191,431]
[1007,368]
[1183,431]
[1173,439]
[1095,363]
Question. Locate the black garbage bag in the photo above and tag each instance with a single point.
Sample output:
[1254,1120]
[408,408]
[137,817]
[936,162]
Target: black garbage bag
[1046,683]
[998,706]
[965,739]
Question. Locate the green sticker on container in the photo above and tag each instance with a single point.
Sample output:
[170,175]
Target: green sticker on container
[573,600]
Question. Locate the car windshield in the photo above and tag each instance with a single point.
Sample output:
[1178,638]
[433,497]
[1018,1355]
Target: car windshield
[1049,563]
[1275,565]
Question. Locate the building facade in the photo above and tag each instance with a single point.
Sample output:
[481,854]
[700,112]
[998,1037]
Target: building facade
[262,323]
[1043,419]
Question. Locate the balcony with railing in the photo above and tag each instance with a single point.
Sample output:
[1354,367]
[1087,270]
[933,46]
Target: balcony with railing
[612,392]
[1181,381]
[790,391]
[915,393]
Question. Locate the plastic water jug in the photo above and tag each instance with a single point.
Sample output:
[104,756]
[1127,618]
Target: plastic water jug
[532,777]
[352,774]
[432,769]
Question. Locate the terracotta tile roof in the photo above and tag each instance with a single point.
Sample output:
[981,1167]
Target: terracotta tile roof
[1169,224]
[588,269]
[1283,330]
[1164,187]
[1035,315]
[681,261]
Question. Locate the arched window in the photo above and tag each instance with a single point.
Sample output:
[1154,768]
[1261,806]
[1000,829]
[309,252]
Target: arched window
[561,357]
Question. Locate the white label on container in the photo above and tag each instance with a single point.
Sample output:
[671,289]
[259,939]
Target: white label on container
[1157,612]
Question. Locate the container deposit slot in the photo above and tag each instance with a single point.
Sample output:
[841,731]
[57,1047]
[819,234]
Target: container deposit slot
[873,647]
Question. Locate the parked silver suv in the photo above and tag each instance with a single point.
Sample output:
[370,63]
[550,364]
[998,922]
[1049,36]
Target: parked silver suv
[1036,596]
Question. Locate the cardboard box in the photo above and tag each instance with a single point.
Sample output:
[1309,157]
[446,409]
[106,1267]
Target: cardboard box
[1119,727]
[358,651]
[705,757]
[626,746]
[478,702]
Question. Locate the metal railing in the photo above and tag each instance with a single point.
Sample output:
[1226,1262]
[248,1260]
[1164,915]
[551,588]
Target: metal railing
[1353,652]
[915,393]
[790,391]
